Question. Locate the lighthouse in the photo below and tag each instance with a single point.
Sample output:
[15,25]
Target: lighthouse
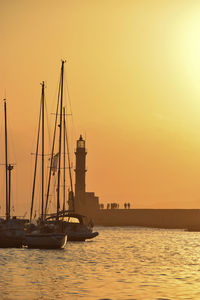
[85,202]
[80,168]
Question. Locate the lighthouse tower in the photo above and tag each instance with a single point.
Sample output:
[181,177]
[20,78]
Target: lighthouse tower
[85,203]
[80,173]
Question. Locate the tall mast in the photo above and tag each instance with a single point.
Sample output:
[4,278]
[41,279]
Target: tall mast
[6,164]
[35,170]
[42,211]
[64,129]
[52,152]
[60,139]
[69,167]
[36,157]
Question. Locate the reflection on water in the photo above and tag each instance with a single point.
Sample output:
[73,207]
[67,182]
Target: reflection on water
[121,263]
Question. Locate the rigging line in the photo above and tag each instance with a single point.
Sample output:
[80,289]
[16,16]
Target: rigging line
[69,166]
[1,151]
[12,153]
[53,144]
[60,138]
[68,96]
[6,163]
[42,206]
[47,121]
[11,144]
[67,88]
[64,177]
[34,137]
[36,157]
[52,103]
[68,156]
[49,137]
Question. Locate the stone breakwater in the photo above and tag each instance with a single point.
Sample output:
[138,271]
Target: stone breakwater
[158,218]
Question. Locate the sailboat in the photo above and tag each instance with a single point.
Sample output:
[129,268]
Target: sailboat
[11,228]
[77,227]
[44,234]
[73,223]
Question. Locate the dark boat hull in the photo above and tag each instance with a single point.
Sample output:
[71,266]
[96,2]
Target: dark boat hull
[79,237]
[12,233]
[45,241]
[10,242]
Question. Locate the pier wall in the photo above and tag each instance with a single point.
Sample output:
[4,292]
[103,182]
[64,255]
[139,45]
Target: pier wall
[158,218]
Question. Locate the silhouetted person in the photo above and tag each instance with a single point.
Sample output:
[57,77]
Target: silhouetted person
[128,205]
[113,205]
[125,205]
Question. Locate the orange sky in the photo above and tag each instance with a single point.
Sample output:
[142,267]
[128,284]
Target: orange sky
[133,71]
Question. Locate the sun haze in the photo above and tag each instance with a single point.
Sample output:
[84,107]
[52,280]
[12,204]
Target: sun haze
[133,74]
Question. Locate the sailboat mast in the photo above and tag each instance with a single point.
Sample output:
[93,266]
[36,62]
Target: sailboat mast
[35,169]
[60,139]
[52,153]
[6,163]
[42,210]
[69,167]
[64,159]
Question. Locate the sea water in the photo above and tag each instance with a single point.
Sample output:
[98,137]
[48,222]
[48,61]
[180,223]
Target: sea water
[121,263]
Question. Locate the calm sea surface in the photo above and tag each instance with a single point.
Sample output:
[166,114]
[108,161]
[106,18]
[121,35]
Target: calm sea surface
[121,263]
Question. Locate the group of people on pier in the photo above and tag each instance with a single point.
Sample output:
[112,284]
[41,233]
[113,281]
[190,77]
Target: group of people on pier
[114,206]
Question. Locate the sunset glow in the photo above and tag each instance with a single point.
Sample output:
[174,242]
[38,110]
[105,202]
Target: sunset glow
[133,73]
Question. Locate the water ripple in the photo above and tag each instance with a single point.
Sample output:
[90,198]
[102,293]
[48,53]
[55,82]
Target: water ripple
[121,263]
